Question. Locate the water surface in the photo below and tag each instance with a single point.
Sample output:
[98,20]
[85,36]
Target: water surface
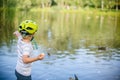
[74,41]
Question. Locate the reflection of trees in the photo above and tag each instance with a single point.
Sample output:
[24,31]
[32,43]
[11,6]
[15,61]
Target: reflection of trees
[7,14]
[70,29]
[117,31]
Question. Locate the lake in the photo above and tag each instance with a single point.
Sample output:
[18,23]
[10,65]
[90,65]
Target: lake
[81,43]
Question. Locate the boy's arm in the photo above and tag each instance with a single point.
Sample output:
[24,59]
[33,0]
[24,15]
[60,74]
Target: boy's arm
[17,34]
[26,59]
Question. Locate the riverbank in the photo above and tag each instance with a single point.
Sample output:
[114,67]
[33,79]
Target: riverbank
[78,10]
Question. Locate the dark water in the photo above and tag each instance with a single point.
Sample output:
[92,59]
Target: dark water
[85,44]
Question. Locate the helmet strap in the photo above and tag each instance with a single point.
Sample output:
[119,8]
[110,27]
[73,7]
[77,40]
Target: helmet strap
[32,38]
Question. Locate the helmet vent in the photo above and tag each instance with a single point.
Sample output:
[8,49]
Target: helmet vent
[29,28]
[27,21]
[20,26]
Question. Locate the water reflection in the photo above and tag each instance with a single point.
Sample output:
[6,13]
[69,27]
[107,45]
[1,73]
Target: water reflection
[7,17]
[66,31]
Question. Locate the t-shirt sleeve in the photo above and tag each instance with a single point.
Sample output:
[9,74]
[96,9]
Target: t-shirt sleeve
[26,50]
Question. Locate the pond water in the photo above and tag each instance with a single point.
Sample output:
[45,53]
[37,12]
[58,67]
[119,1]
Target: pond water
[83,44]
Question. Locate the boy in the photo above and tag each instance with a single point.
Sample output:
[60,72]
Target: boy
[25,35]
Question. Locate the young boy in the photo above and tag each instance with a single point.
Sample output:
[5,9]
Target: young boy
[25,35]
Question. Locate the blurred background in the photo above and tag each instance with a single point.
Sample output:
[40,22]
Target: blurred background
[81,36]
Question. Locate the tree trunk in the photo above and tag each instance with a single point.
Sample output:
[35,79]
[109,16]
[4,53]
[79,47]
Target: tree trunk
[116,5]
[102,4]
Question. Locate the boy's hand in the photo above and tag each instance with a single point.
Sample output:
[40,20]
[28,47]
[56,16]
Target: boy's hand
[17,34]
[41,56]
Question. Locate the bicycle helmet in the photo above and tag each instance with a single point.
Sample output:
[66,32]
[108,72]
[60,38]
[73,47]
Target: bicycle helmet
[28,27]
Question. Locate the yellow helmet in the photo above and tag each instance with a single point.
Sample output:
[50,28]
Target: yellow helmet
[28,27]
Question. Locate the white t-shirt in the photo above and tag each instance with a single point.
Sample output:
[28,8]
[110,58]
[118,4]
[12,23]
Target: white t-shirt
[23,48]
